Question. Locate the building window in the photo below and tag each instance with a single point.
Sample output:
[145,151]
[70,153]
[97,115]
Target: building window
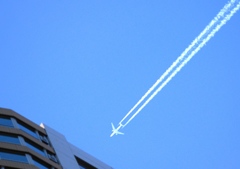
[44,139]
[40,164]
[81,167]
[9,138]
[13,156]
[52,157]
[6,121]
[34,147]
[27,129]
[83,164]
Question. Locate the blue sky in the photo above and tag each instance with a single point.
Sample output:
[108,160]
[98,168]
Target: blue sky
[79,65]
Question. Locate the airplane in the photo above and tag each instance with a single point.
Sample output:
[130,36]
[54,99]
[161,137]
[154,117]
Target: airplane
[115,130]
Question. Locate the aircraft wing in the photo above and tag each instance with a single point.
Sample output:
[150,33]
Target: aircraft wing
[120,133]
[113,127]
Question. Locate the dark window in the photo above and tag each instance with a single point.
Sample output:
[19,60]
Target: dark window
[44,139]
[13,156]
[27,129]
[34,147]
[40,164]
[6,121]
[52,157]
[9,138]
[83,164]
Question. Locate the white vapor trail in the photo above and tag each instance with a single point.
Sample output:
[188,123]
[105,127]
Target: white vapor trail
[182,60]
[181,57]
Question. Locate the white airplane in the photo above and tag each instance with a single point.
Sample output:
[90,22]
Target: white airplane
[115,130]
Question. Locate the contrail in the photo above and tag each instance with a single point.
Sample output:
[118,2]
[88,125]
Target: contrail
[181,57]
[204,41]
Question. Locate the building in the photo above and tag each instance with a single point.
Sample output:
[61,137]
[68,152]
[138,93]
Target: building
[25,145]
